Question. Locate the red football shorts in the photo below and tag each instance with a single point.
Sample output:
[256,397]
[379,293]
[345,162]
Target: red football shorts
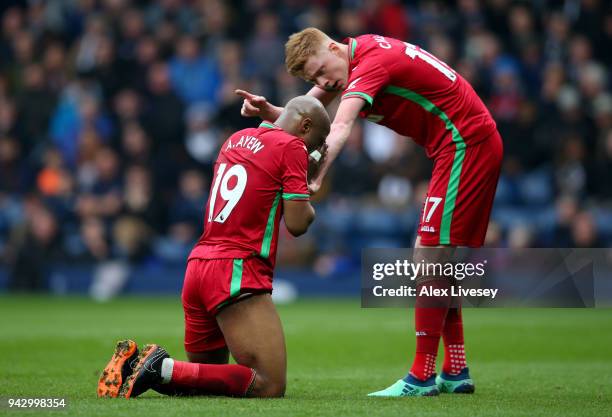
[211,284]
[458,205]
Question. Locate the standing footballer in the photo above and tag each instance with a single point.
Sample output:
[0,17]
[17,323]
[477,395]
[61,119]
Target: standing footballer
[260,176]
[403,87]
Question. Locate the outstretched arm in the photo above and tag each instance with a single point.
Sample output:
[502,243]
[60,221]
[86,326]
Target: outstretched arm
[339,132]
[298,216]
[324,97]
[254,105]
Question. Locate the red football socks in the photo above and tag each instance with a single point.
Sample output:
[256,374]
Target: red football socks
[454,350]
[229,380]
[429,322]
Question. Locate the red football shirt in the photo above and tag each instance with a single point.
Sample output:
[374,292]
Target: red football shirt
[415,94]
[255,169]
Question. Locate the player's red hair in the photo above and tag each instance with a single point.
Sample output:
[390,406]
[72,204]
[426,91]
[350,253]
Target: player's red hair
[301,46]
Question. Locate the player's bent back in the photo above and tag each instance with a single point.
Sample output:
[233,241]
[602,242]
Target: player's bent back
[256,169]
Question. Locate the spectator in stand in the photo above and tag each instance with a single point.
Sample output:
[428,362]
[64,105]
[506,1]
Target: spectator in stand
[33,245]
[194,76]
[12,173]
[584,232]
[101,195]
[36,104]
[265,50]
[186,209]
[140,199]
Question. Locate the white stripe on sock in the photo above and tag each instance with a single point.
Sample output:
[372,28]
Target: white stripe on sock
[166,370]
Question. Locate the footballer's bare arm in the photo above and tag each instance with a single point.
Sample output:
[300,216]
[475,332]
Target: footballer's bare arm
[348,110]
[324,97]
[298,216]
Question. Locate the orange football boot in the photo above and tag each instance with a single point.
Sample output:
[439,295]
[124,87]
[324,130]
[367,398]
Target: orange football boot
[118,369]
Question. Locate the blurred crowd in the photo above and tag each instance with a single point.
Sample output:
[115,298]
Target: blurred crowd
[112,112]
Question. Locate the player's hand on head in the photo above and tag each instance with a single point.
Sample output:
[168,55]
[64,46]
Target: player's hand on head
[315,161]
[314,187]
[252,105]
[316,158]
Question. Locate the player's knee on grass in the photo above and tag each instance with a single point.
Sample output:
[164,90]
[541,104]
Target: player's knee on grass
[270,379]
[268,387]
[254,336]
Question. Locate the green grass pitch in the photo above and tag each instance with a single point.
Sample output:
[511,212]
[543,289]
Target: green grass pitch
[540,362]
